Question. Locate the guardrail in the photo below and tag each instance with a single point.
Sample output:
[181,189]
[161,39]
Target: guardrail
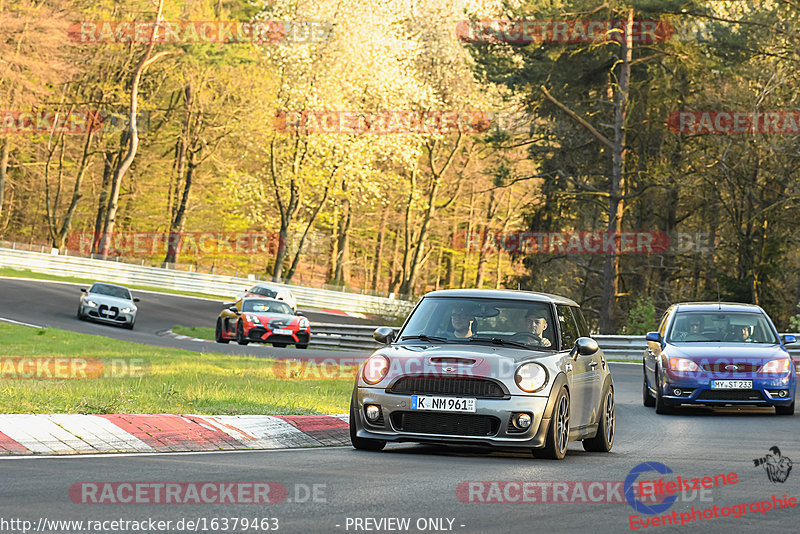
[347,336]
[126,273]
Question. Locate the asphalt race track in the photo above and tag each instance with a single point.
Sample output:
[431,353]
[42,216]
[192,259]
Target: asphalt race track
[54,305]
[359,491]
[420,482]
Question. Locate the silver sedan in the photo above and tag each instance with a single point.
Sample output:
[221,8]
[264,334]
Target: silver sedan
[108,303]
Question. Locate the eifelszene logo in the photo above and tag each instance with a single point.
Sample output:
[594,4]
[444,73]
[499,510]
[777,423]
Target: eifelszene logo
[777,467]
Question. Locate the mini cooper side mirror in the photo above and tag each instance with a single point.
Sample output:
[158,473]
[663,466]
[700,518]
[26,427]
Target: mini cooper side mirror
[586,346]
[653,336]
[788,338]
[384,334]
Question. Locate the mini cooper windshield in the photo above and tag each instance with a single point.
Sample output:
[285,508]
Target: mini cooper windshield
[514,323]
[730,327]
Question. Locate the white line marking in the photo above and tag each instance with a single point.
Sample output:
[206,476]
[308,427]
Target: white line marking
[181,453]
[12,321]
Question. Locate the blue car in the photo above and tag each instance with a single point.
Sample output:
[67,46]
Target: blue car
[718,354]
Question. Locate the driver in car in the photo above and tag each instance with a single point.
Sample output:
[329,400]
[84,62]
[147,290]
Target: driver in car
[744,334]
[461,318]
[536,323]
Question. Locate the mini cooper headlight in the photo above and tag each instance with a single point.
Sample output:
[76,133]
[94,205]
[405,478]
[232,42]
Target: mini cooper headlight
[683,365]
[776,366]
[375,369]
[531,377]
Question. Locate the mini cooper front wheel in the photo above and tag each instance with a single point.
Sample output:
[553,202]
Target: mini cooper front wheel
[557,438]
[604,439]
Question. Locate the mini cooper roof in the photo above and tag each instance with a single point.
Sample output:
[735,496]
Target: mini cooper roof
[502,294]
[718,306]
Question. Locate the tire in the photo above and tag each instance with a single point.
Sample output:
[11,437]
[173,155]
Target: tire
[661,406]
[647,397]
[557,437]
[279,345]
[240,334]
[129,326]
[301,346]
[81,317]
[218,333]
[604,439]
[785,410]
[362,444]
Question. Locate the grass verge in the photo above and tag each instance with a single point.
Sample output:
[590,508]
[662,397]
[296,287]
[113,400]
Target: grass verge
[175,381]
[200,332]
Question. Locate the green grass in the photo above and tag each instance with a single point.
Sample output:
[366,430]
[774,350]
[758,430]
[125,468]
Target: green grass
[200,332]
[176,381]
[26,273]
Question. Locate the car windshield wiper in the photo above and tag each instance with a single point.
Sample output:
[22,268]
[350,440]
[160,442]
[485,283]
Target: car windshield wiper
[423,337]
[499,341]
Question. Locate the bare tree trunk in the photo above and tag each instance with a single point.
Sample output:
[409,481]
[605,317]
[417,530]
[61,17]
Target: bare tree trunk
[133,146]
[376,270]
[341,276]
[66,224]
[180,200]
[608,318]
[311,219]
[3,170]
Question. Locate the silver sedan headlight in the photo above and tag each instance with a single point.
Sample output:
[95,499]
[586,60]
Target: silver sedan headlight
[90,303]
[531,377]
[127,310]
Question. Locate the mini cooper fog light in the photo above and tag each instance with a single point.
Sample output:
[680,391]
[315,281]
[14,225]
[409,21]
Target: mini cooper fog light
[677,392]
[373,412]
[522,421]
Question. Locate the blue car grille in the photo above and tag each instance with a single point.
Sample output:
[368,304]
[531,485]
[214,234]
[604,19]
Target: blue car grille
[730,395]
[726,367]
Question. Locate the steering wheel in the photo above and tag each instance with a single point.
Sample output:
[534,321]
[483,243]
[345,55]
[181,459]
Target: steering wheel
[526,337]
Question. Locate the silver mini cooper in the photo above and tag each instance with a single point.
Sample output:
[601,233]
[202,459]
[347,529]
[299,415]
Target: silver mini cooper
[508,369]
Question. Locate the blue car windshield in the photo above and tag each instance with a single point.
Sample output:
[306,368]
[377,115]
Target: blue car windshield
[518,323]
[721,326]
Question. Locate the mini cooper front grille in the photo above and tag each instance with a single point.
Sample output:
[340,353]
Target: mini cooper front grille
[469,387]
[450,424]
[730,395]
[730,367]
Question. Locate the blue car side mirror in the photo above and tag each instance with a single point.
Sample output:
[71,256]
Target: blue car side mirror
[653,336]
[789,338]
